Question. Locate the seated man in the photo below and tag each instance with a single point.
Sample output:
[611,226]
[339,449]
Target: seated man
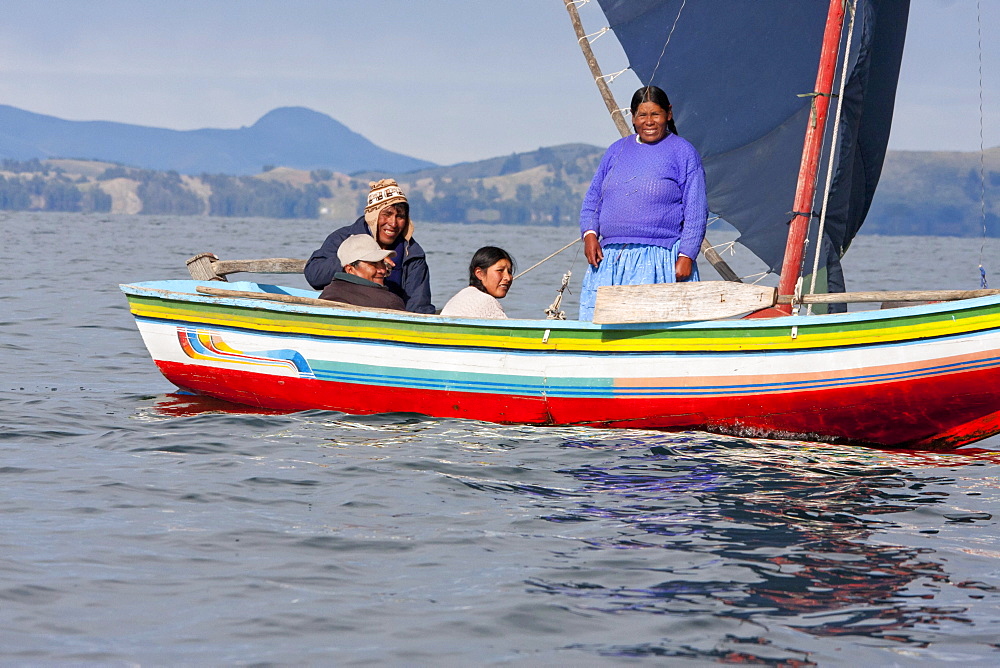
[362,283]
[387,220]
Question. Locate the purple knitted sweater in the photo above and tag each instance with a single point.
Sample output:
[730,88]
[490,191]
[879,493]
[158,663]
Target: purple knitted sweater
[650,194]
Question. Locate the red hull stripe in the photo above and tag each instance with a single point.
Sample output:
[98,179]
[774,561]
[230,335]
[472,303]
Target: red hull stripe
[894,413]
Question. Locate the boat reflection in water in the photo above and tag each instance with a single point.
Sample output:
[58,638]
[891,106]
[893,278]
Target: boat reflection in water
[708,548]
[761,536]
[183,404]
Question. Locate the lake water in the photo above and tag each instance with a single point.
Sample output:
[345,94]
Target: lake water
[145,528]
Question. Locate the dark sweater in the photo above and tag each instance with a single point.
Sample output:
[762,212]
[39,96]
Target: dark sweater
[350,289]
[410,279]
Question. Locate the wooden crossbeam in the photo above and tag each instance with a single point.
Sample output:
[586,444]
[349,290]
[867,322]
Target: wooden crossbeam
[889,296]
[207,267]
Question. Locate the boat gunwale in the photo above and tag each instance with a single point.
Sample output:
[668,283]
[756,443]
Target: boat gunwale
[811,322]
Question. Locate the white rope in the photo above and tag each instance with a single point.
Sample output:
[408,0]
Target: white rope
[595,35]
[727,247]
[553,312]
[852,7]
[677,18]
[614,75]
[546,258]
[578,3]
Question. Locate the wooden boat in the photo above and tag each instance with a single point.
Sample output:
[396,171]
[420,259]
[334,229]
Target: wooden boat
[678,357]
[922,376]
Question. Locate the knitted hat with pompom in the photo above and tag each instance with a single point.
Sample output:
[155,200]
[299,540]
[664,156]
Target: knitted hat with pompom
[380,195]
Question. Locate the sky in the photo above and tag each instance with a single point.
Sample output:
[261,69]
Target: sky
[441,80]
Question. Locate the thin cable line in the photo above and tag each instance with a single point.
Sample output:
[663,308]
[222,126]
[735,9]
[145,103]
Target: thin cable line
[821,230]
[547,258]
[982,151]
[677,18]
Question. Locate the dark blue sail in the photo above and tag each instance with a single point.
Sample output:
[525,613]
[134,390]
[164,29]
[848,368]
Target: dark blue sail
[739,75]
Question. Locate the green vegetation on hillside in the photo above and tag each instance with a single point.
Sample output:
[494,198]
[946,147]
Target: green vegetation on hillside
[543,187]
[34,185]
[78,186]
[920,192]
[248,196]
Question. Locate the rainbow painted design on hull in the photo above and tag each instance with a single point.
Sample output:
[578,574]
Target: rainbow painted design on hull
[924,376]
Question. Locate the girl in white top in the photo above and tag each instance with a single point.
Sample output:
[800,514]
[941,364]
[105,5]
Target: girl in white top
[490,275]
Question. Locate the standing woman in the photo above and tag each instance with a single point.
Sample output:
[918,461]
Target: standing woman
[643,218]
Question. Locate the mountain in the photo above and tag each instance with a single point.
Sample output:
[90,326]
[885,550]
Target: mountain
[290,136]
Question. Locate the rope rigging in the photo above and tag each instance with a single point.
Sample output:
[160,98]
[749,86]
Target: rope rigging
[553,312]
[851,7]
[982,152]
[595,35]
[669,35]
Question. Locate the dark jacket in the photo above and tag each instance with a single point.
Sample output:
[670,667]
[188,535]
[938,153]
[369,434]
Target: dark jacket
[349,289]
[410,279]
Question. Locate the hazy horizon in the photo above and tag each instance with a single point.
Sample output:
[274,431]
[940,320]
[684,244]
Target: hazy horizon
[422,79]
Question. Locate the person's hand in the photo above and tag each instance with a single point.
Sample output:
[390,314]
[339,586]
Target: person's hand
[592,250]
[683,268]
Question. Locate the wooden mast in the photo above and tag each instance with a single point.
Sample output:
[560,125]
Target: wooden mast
[595,69]
[725,271]
[791,266]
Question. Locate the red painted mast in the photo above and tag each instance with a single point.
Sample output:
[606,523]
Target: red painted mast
[791,267]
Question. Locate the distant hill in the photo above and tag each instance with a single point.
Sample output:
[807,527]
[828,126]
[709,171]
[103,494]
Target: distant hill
[542,187]
[290,136]
[921,193]
[552,156]
[936,193]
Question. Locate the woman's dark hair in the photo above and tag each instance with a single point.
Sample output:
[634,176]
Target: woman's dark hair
[404,208]
[656,96]
[484,258]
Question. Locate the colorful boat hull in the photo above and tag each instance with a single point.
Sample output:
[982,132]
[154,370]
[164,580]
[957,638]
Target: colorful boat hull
[924,376]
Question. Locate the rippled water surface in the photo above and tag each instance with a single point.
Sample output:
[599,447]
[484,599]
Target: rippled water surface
[144,527]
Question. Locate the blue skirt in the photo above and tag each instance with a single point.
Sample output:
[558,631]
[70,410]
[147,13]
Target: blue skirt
[630,264]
